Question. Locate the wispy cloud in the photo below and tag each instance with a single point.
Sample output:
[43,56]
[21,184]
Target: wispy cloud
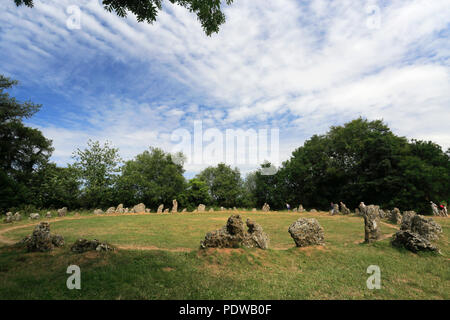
[298,65]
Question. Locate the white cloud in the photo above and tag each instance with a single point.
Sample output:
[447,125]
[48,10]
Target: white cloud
[304,65]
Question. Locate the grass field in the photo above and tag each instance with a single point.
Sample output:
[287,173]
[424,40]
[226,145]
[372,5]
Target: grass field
[159,258]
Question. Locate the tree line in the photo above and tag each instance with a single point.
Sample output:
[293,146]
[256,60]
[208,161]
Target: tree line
[360,161]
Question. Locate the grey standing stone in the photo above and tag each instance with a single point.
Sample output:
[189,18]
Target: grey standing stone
[111,210]
[62,212]
[306,232]
[201,208]
[371,223]
[160,208]
[174,206]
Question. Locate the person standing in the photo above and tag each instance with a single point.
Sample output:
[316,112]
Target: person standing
[288,207]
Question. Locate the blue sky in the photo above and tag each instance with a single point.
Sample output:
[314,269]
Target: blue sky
[299,66]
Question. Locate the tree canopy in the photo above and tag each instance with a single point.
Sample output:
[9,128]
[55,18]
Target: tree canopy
[209,12]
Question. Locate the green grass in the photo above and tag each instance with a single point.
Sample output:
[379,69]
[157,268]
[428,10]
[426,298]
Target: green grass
[181,271]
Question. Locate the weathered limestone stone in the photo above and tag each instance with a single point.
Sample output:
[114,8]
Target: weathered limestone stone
[120,209]
[444,212]
[98,211]
[48,214]
[300,209]
[344,208]
[371,222]
[425,227]
[41,239]
[76,214]
[201,208]
[234,235]
[294,210]
[126,210]
[147,210]
[184,210]
[34,216]
[139,208]
[174,206]
[195,211]
[313,210]
[211,210]
[9,218]
[83,245]
[222,209]
[416,232]
[396,217]
[266,207]
[235,209]
[254,209]
[111,210]
[62,212]
[160,208]
[166,211]
[357,212]
[412,241]
[17,216]
[306,232]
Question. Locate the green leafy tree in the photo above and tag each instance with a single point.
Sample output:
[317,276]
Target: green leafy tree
[22,149]
[98,168]
[196,192]
[56,187]
[153,177]
[208,12]
[224,183]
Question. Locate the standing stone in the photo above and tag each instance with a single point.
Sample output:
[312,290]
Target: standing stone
[412,241]
[201,208]
[425,227]
[357,212]
[195,211]
[126,210]
[300,209]
[266,207]
[396,217]
[222,209]
[294,210]
[184,210]
[98,211]
[139,208]
[235,209]
[9,218]
[41,239]
[344,208]
[234,235]
[111,210]
[48,215]
[254,209]
[335,209]
[147,210]
[166,210]
[34,216]
[211,210]
[174,206]
[313,210]
[62,212]
[17,216]
[83,245]
[160,208]
[120,209]
[371,223]
[306,232]
[444,212]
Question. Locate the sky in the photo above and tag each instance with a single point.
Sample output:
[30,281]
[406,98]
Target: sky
[294,66]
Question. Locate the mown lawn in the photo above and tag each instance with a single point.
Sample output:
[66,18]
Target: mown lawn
[158,258]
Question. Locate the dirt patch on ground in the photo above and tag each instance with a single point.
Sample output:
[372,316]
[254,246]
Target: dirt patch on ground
[152,248]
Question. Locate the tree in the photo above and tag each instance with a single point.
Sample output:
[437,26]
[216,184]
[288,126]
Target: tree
[56,187]
[97,166]
[225,185]
[196,193]
[360,161]
[153,178]
[208,11]
[22,149]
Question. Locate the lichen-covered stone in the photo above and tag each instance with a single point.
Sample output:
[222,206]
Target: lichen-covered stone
[111,210]
[83,245]
[62,212]
[266,207]
[371,222]
[139,208]
[34,216]
[160,208]
[174,206]
[344,209]
[98,211]
[412,241]
[234,235]
[9,218]
[306,232]
[201,208]
[426,227]
[396,216]
[120,209]
[41,240]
